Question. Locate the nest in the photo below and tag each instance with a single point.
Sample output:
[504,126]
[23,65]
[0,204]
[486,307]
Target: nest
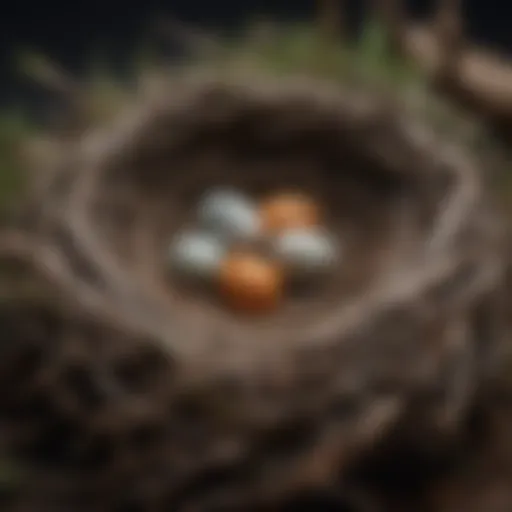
[122,390]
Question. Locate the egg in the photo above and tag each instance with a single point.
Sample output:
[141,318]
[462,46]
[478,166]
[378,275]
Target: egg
[197,256]
[289,210]
[306,252]
[230,214]
[250,283]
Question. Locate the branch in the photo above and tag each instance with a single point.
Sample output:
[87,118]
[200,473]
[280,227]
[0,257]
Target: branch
[476,79]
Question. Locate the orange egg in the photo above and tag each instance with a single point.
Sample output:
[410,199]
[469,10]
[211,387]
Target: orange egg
[289,210]
[250,283]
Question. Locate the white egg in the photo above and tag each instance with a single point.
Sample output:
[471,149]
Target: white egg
[196,255]
[230,214]
[306,252]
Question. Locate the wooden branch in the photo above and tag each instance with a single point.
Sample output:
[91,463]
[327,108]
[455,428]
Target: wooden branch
[478,80]
[483,76]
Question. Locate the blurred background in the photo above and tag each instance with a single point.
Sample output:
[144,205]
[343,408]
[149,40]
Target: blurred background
[70,32]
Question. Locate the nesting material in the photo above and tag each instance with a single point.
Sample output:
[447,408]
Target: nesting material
[391,358]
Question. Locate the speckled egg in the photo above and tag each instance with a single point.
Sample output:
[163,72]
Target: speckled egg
[306,252]
[197,256]
[230,214]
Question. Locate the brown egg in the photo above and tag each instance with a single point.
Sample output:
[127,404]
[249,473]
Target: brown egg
[289,210]
[250,283]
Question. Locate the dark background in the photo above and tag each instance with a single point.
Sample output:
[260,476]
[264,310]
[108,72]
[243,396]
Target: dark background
[70,30]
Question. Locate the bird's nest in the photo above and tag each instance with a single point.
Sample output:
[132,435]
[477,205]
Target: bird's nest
[122,384]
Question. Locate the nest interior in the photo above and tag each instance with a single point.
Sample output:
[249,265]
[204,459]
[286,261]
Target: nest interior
[402,334]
